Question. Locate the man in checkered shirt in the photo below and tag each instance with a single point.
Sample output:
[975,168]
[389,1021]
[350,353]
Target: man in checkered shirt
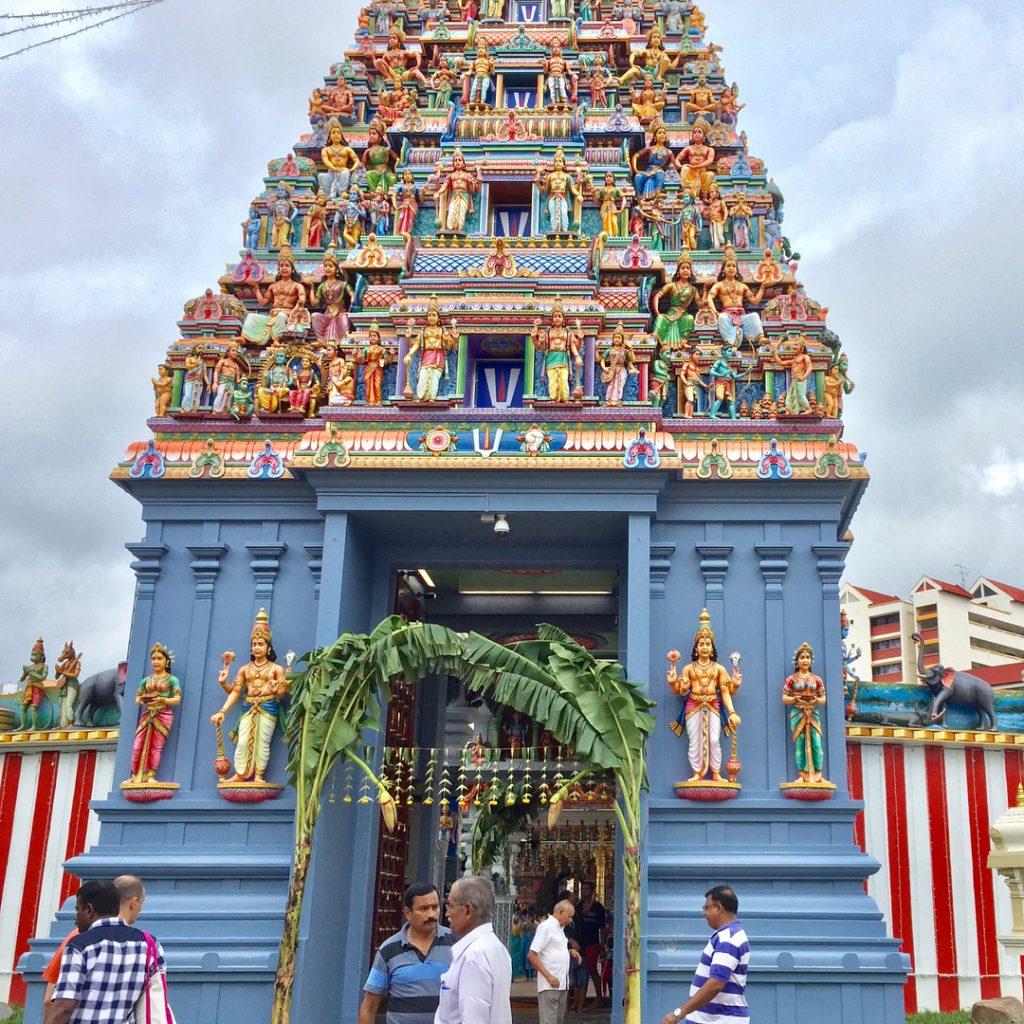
[103,971]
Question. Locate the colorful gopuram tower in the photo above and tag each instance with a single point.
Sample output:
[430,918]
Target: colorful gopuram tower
[522,266]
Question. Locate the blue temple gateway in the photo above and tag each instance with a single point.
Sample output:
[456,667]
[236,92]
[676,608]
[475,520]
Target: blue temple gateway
[514,336]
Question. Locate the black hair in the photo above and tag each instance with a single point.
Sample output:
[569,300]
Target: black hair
[101,894]
[724,897]
[714,649]
[417,889]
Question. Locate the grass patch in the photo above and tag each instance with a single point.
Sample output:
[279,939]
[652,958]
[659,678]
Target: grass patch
[930,1017]
[17,1017]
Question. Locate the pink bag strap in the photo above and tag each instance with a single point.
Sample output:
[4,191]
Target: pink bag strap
[152,963]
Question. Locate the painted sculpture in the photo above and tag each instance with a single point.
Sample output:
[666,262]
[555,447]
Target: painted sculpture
[67,670]
[101,690]
[558,185]
[616,363]
[286,298]
[803,693]
[559,345]
[735,324]
[33,675]
[158,695]
[948,686]
[708,689]
[454,196]
[260,685]
[432,342]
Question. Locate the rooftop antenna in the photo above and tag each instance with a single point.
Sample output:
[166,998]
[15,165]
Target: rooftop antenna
[962,569]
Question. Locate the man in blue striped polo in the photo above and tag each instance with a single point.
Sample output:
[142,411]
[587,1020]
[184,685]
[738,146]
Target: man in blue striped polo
[718,989]
[408,966]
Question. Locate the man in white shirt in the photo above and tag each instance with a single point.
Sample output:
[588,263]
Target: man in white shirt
[477,988]
[549,953]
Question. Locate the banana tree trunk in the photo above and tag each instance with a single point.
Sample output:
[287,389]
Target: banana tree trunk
[285,980]
[631,875]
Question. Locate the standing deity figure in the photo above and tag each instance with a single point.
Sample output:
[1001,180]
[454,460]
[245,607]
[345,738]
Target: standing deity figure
[652,58]
[350,218]
[251,229]
[722,384]
[339,159]
[341,380]
[734,323]
[478,77]
[673,326]
[657,158]
[393,63]
[692,221]
[559,79]
[616,363]
[379,210]
[804,693]
[454,196]
[282,216]
[32,677]
[612,204]
[272,391]
[333,323]
[433,342]
[708,688]
[837,384]
[558,343]
[558,184]
[286,297]
[163,389]
[442,81]
[383,12]
[493,10]
[260,685]
[696,164]
[193,381]
[158,695]
[598,83]
[740,212]
[67,670]
[227,372]
[729,105]
[702,102]
[374,358]
[406,200]
[378,157]
[687,379]
[674,23]
[316,221]
[559,10]
[714,213]
[800,369]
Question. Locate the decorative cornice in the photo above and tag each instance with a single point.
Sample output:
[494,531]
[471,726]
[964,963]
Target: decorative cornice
[205,566]
[774,564]
[714,565]
[661,563]
[831,565]
[315,564]
[146,565]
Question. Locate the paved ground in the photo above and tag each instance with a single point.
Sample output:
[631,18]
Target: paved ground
[524,1007]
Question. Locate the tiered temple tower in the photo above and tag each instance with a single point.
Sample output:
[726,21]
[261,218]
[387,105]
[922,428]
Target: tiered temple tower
[523,263]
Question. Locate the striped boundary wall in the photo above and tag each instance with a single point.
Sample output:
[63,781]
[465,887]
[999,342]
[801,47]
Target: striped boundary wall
[929,801]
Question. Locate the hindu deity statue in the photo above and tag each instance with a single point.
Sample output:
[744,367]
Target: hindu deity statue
[193,380]
[722,384]
[339,159]
[560,10]
[647,102]
[708,688]
[406,200]
[433,342]
[696,164]
[316,221]
[378,208]
[734,323]
[653,58]
[656,159]
[612,202]
[332,324]
[383,12]
[598,83]
[286,298]
[227,371]
[837,384]
[374,358]
[559,344]
[804,693]
[340,100]
[673,326]
[454,196]
[32,677]
[303,388]
[713,211]
[691,220]
[616,363]
[493,10]
[740,212]
[558,184]
[67,670]
[251,229]
[163,389]
[674,23]
[260,685]
[272,391]
[687,379]
[729,105]
[379,157]
[477,79]
[158,695]
[800,369]
[352,216]
[282,216]
[442,81]
[242,404]
[702,102]
[469,9]
[559,80]
[341,380]
[394,63]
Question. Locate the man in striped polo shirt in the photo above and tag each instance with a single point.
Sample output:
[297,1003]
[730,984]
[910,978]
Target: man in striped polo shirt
[718,989]
[408,966]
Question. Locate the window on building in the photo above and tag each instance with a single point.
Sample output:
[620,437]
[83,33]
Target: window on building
[982,591]
[1017,653]
[1000,624]
[886,620]
[886,671]
[885,645]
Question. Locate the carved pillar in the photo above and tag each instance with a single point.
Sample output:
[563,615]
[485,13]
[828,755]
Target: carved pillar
[265,565]
[661,563]
[828,661]
[315,565]
[774,564]
[206,559]
[714,565]
[1007,857]
[402,371]
[589,355]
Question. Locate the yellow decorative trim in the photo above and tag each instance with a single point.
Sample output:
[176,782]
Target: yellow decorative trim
[935,736]
[51,738]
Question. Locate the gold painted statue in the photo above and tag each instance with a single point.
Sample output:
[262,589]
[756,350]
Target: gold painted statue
[433,342]
[559,343]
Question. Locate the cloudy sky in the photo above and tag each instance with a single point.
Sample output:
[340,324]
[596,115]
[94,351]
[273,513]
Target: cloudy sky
[896,132]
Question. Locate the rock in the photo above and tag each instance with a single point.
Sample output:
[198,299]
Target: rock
[998,1011]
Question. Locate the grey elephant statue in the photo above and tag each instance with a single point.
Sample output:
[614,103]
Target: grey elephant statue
[102,689]
[947,686]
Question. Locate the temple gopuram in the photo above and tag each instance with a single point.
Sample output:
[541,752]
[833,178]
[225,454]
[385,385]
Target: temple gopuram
[513,336]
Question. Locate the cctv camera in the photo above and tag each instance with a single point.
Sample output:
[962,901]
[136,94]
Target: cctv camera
[501,526]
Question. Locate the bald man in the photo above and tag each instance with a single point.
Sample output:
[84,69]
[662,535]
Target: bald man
[549,954]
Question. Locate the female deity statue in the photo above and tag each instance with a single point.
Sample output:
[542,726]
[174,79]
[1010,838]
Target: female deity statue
[333,323]
[740,212]
[616,363]
[714,213]
[374,358]
[379,157]
[442,81]
[708,687]
[647,102]
[158,694]
[303,388]
[672,328]
[612,204]
[729,105]
[454,197]
[696,164]
[598,83]
[260,685]
[272,391]
[406,199]
[558,184]
[433,342]
[339,159]
[194,380]
[657,158]
[804,693]
[316,222]
[286,297]
[559,343]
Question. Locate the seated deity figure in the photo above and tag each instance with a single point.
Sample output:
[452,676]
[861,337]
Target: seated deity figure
[673,326]
[734,323]
[454,197]
[647,102]
[341,379]
[652,58]
[378,157]
[394,63]
[559,344]
[332,324]
[286,297]
[260,685]
[340,100]
[478,77]
[303,388]
[557,183]
[272,390]
[559,80]
[708,688]
[702,101]
[657,158]
[697,163]
[338,159]
[433,342]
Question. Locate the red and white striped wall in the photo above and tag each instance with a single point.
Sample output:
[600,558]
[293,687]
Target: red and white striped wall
[928,805]
[44,820]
